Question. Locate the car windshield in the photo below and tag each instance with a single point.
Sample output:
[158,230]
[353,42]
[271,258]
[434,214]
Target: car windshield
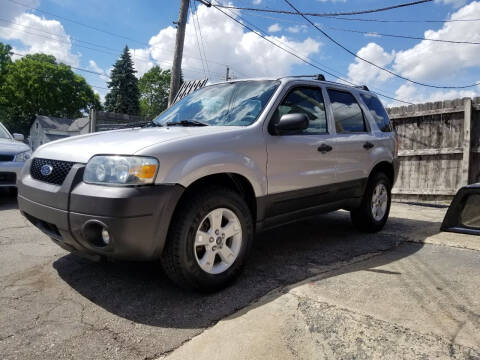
[4,133]
[228,104]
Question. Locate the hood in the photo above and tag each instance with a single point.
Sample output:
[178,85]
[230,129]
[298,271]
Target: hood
[9,146]
[118,142]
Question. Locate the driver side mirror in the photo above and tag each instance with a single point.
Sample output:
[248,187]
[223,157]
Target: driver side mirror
[18,137]
[291,123]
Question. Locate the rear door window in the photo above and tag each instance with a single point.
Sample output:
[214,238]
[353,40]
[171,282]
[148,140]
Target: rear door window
[347,113]
[378,112]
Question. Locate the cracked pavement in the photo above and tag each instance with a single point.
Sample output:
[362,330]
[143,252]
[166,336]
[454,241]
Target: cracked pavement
[58,306]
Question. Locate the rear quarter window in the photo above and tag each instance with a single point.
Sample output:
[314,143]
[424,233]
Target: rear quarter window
[378,112]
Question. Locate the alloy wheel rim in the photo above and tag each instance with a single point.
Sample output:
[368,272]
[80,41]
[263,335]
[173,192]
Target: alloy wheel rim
[379,202]
[218,241]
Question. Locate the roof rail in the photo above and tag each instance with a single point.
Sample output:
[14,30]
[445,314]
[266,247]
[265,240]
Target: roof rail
[320,77]
[363,87]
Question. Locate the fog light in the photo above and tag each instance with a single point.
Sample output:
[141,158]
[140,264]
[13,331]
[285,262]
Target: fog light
[105,236]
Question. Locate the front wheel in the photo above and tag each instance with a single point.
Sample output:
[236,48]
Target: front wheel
[373,212]
[209,240]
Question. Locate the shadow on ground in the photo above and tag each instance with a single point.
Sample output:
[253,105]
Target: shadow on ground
[140,292]
[8,199]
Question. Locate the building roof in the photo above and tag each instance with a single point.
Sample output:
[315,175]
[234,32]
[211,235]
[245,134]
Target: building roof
[79,124]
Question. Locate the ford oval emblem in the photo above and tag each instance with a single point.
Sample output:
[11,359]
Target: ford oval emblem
[46,170]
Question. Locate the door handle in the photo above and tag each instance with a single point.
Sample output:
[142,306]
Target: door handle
[368,145]
[324,148]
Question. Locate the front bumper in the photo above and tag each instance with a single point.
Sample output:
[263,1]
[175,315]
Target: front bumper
[9,173]
[137,218]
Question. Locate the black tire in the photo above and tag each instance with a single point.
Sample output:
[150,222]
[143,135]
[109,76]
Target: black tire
[178,257]
[362,217]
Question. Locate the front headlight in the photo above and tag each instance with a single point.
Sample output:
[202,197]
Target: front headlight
[23,156]
[121,170]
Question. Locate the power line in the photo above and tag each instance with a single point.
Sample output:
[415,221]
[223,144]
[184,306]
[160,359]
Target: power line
[300,58]
[95,28]
[374,33]
[358,12]
[365,20]
[201,37]
[402,36]
[372,63]
[401,21]
[198,42]
[323,66]
[112,52]
[341,77]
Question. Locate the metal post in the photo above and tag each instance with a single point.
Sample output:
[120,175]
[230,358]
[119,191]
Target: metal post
[177,58]
[227,76]
[467,141]
[93,121]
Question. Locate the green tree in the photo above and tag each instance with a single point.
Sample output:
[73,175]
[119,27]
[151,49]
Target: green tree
[5,59]
[154,87]
[36,84]
[124,94]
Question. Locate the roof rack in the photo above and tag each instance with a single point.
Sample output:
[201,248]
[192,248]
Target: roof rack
[320,77]
[362,87]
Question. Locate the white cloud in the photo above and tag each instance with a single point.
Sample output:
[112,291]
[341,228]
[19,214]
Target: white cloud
[274,28]
[433,60]
[256,2]
[416,94]
[93,65]
[297,28]
[454,3]
[48,37]
[142,61]
[372,34]
[226,42]
[361,72]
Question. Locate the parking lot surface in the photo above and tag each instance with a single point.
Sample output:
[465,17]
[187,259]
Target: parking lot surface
[55,305]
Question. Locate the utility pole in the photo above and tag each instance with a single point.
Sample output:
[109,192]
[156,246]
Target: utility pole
[177,58]
[227,75]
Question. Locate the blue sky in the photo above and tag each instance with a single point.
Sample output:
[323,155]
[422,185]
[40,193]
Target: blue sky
[146,26]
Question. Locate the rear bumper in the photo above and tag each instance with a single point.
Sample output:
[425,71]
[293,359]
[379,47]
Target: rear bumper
[9,173]
[137,218]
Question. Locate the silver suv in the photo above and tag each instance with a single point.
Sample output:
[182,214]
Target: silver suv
[193,187]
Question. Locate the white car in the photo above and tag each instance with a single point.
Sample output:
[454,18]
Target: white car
[13,154]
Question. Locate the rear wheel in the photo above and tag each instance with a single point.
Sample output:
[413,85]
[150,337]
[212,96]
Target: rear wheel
[373,212]
[209,240]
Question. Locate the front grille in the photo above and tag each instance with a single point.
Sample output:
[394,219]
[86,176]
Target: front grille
[6,157]
[8,178]
[59,172]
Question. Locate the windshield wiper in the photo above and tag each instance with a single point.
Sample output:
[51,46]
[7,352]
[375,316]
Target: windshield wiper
[186,123]
[152,124]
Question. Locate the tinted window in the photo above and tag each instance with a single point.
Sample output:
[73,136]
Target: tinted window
[378,112]
[308,101]
[346,112]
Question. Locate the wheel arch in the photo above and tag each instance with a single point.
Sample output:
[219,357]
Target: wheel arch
[234,181]
[385,167]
